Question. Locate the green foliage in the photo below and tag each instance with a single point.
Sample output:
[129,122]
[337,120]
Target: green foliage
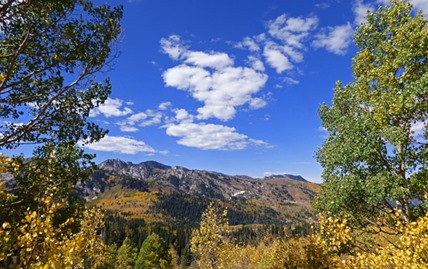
[373,159]
[126,255]
[50,52]
[153,254]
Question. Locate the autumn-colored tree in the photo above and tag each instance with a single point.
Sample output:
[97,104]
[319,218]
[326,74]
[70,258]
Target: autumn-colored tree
[376,155]
[39,241]
[211,238]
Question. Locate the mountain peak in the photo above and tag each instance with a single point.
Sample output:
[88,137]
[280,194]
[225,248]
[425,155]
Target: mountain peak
[154,164]
[294,177]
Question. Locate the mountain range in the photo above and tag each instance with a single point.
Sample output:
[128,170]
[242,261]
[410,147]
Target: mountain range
[160,193]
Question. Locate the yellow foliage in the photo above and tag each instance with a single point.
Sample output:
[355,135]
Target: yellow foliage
[411,250]
[40,244]
[332,245]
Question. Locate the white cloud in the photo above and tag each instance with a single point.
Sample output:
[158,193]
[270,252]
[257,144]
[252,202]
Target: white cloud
[213,59]
[210,136]
[248,43]
[292,31]
[153,118]
[291,81]
[322,5]
[276,59]
[164,105]
[120,144]
[257,103]
[222,88]
[256,64]
[111,108]
[335,39]
[182,115]
[172,46]
[128,129]
[360,11]
[285,44]
[141,119]
[133,119]
[177,51]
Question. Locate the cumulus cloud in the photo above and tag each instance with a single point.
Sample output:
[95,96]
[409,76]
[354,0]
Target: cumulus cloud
[276,59]
[334,39]
[182,115]
[210,136]
[111,108]
[120,144]
[285,43]
[212,79]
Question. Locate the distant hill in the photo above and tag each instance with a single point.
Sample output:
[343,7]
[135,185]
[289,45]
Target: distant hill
[172,194]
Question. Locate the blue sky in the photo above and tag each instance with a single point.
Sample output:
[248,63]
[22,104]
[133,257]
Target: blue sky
[230,86]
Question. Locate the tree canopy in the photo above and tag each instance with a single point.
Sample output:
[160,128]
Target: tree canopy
[375,157]
[50,52]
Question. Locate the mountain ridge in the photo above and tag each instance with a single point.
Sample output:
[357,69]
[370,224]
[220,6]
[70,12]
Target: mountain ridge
[151,187]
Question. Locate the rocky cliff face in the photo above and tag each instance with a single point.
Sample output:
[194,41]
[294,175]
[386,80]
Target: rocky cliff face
[154,175]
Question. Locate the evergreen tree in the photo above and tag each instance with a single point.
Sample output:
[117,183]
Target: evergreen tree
[153,254]
[126,255]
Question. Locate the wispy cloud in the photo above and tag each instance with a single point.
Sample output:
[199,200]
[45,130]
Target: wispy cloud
[248,43]
[141,119]
[292,31]
[164,105]
[360,11]
[111,108]
[120,144]
[334,39]
[322,5]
